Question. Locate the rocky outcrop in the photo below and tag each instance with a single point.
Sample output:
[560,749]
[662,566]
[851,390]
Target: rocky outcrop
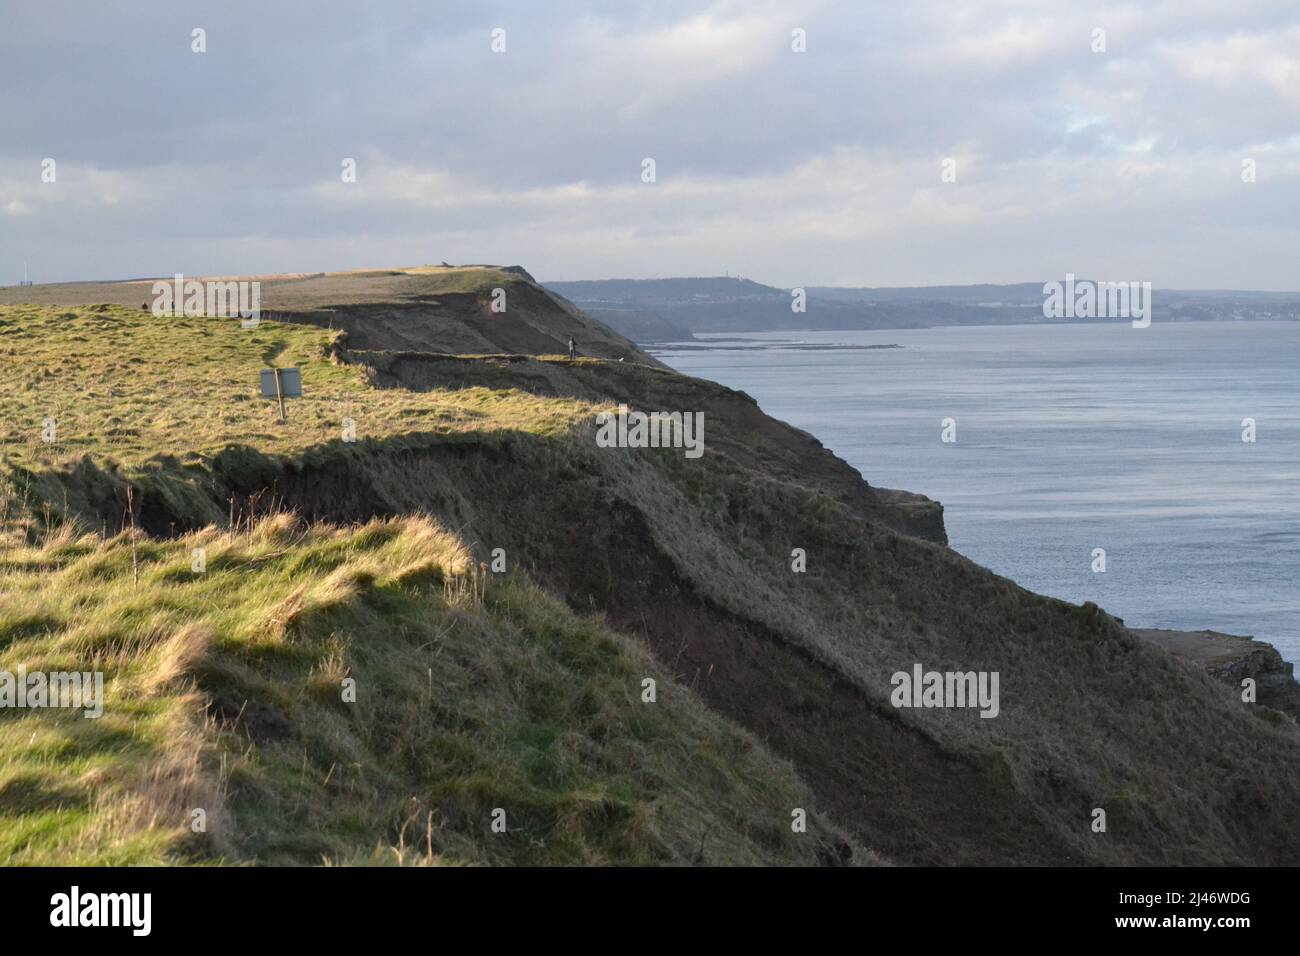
[1231,659]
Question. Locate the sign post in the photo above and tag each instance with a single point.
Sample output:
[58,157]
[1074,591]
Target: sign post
[279,395]
[281,383]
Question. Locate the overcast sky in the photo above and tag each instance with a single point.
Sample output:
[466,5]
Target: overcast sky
[814,168]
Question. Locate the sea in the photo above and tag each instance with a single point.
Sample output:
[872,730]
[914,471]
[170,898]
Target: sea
[1069,438]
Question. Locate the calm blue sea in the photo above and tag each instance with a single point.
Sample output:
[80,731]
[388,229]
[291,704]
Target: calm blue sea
[1070,438]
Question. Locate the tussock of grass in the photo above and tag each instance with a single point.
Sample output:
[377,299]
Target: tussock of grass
[224,691]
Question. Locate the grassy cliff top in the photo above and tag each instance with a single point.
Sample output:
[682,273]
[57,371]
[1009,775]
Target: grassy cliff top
[126,385]
[286,290]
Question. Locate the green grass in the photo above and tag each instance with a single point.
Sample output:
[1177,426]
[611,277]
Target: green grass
[473,692]
[124,385]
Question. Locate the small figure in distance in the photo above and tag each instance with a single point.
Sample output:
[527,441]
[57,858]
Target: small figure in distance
[573,349]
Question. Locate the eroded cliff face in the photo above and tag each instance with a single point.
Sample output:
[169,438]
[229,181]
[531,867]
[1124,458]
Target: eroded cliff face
[736,429]
[508,314]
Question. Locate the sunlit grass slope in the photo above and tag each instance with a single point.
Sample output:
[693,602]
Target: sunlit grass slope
[125,385]
[473,691]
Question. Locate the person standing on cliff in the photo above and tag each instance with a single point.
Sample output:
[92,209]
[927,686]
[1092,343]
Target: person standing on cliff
[573,349]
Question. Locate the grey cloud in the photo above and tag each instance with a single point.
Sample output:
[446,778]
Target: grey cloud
[813,168]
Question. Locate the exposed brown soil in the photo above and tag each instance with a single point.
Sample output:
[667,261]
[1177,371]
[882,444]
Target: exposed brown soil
[869,770]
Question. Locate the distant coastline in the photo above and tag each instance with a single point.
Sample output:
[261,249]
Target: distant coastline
[678,310]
